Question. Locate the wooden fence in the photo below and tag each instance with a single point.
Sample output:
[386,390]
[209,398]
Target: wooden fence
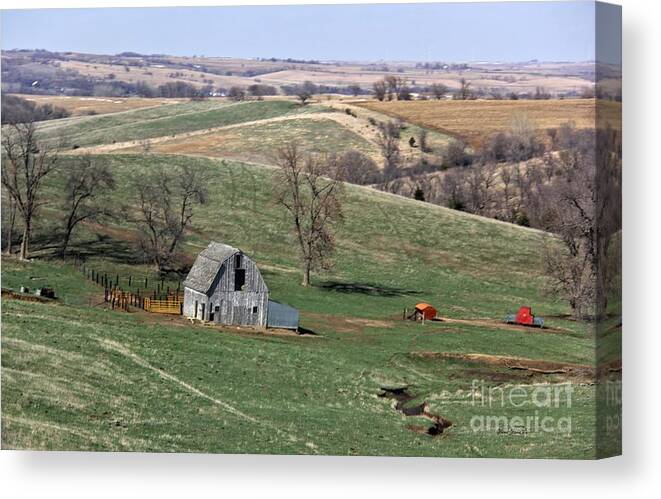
[161,299]
[173,305]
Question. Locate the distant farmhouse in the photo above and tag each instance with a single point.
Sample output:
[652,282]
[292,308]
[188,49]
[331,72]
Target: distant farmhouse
[225,286]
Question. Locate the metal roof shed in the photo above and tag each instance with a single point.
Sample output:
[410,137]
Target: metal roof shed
[282,316]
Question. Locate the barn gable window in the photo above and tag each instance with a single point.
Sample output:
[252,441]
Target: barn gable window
[237,261]
[239,279]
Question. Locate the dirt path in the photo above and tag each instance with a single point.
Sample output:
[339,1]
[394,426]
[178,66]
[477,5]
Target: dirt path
[126,352]
[121,349]
[510,362]
[496,324]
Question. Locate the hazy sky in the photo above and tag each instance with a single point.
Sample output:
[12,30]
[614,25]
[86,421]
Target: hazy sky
[552,31]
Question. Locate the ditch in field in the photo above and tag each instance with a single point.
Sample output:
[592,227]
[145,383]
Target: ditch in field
[402,398]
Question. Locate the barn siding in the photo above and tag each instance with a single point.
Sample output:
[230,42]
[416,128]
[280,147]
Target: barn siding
[235,307]
[190,296]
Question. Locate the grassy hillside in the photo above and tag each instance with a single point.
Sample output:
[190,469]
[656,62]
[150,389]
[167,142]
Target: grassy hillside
[76,376]
[258,142]
[161,121]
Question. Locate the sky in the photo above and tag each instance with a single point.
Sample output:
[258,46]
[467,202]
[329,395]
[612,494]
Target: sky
[507,31]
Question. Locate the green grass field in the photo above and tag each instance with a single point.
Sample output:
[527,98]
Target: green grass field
[78,376]
[258,143]
[161,121]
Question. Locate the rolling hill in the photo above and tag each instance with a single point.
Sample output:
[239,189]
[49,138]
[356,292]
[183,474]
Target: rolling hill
[78,376]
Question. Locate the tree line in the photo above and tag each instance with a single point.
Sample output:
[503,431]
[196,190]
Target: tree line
[164,198]
[570,189]
[16,110]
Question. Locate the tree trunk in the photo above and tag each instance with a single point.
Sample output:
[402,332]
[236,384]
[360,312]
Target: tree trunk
[10,229]
[65,242]
[25,243]
[306,274]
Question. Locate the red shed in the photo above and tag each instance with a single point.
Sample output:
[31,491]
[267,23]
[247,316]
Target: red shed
[524,316]
[425,310]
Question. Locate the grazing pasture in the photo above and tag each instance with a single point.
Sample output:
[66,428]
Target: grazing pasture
[78,376]
[161,121]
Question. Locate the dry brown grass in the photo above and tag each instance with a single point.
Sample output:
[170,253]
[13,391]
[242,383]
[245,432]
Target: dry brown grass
[476,119]
[98,105]
[153,75]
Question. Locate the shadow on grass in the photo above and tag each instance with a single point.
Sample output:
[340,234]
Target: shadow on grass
[109,248]
[48,244]
[366,289]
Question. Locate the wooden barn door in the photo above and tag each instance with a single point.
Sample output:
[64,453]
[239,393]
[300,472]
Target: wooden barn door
[219,313]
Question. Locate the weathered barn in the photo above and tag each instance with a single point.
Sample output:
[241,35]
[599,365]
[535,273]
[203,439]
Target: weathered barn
[226,287]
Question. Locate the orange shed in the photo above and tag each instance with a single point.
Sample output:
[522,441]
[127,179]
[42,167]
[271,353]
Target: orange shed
[425,310]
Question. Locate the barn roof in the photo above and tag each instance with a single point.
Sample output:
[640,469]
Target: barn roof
[206,266]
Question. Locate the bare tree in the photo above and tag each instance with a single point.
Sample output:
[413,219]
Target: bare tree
[464,92]
[480,179]
[523,141]
[357,168]
[571,275]
[388,140]
[355,89]
[438,90]
[28,163]
[236,94]
[456,154]
[452,191]
[380,89]
[85,182]
[9,211]
[505,175]
[166,201]
[305,92]
[584,210]
[310,191]
[404,93]
[397,87]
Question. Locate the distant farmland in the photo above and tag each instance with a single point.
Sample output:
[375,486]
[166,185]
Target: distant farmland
[79,106]
[474,120]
